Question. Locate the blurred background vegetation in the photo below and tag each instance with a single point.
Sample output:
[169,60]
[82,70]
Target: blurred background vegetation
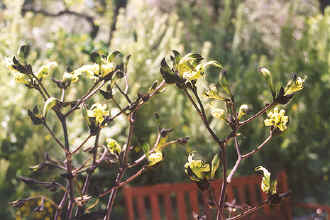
[285,36]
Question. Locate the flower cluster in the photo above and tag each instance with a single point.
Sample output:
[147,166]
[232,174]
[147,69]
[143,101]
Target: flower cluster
[95,70]
[45,70]
[294,86]
[277,119]
[267,185]
[242,111]
[155,157]
[98,111]
[197,169]
[113,146]
[185,69]
[191,68]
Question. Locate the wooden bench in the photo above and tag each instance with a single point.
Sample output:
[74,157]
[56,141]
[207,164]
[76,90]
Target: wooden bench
[181,200]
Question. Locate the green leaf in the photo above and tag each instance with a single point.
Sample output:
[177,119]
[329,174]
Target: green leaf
[269,79]
[115,57]
[215,165]
[167,73]
[23,52]
[146,148]
[85,115]
[224,83]
[211,93]
[265,183]
[50,103]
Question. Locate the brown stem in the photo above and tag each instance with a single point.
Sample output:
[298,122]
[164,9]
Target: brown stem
[122,168]
[60,206]
[89,94]
[53,135]
[260,146]
[81,145]
[62,94]
[139,160]
[249,211]
[89,19]
[220,143]
[262,111]
[90,172]
[68,163]
[123,93]
[239,159]
[123,183]
[116,103]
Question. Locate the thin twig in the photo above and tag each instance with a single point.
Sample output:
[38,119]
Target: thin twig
[90,171]
[116,103]
[89,19]
[139,160]
[60,206]
[81,145]
[249,211]
[123,168]
[123,183]
[89,94]
[62,94]
[123,93]
[53,135]
[260,146]
[239,159]
[262,111]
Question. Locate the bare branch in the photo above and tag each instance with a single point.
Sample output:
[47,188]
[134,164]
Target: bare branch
[260,146]
[262,111]
[232,172]
[91,20]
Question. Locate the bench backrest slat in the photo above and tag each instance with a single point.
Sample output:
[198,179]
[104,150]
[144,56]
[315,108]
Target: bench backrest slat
[181,205]
[141,207]
[193,198]
[168,206]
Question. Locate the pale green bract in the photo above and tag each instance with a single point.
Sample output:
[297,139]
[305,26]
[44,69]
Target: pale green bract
[50,103]
[154,157]
[242,111]
[113,146]
[191,68]
[294,86]
[199,168]
[98,111]
[267,186]
[277,119]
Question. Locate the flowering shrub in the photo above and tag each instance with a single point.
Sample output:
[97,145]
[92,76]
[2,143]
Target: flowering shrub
[108,71]
[184,72]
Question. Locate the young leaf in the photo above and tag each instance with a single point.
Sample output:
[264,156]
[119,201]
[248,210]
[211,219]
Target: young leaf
[50,103]
[215,165]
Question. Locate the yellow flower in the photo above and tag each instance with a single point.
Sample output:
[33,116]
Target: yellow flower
[98,112]
[107,68]
[196,169]
[242,111]
[190,68]
[72,77]
[218,113]
[90,70]
[267,185]
[277,119]
[155,157]
[113,146]
[45,69]
[22,78]
[294,86]
[93,70]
